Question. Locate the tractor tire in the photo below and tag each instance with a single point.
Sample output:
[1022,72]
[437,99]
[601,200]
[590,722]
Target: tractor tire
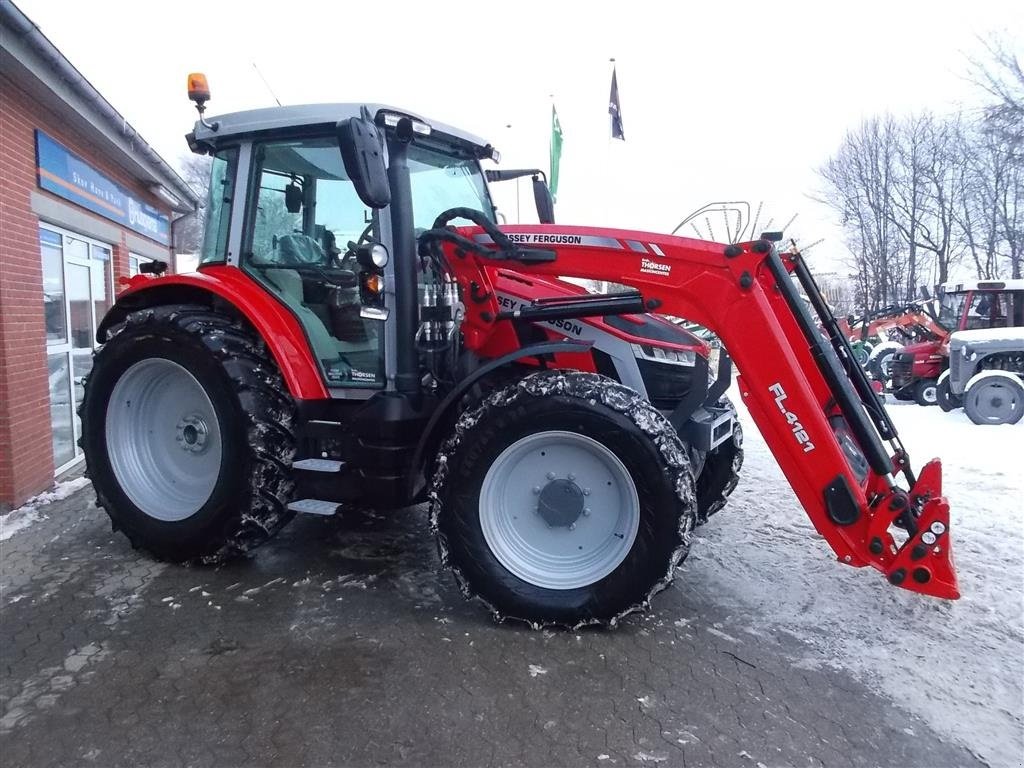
[720,474]
[880,365]
[925,392]
[564,499]
[947,399]
[994,397]
[187,434]
[904,394]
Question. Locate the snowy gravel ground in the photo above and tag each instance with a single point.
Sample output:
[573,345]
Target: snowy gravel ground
[29,512]
[959,665]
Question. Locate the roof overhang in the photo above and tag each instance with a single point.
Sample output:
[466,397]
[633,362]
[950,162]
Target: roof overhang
[30,60]
[255,121]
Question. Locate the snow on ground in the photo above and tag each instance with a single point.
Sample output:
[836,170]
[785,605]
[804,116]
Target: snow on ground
[958,664]
[29,513]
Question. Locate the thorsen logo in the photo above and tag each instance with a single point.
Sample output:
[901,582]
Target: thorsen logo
[794,422]
[654,267]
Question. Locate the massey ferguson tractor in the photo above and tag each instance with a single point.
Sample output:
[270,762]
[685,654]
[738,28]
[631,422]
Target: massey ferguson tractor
[361,331]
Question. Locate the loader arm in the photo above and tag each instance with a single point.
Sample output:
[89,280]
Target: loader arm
[825,428]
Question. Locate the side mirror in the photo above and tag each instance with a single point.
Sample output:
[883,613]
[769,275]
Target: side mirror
[542,198]
[293,198]
[362,150]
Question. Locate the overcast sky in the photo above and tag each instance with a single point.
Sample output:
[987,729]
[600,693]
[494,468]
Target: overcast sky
[720,101]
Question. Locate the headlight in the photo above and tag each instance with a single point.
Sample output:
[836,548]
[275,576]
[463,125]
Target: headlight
[379,255]
[685,357]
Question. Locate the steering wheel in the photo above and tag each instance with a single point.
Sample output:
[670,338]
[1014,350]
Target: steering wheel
[353,247]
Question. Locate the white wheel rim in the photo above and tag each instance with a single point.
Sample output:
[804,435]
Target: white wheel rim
[559,510]
[163,439]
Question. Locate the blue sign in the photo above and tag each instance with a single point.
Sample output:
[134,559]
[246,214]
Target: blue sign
[65,174]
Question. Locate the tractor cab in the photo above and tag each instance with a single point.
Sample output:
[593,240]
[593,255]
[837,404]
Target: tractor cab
[299,224]
[969,306]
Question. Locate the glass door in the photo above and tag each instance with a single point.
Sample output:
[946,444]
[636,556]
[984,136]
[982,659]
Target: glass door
[77,290]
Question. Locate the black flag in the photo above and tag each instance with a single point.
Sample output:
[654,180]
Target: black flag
[615,110]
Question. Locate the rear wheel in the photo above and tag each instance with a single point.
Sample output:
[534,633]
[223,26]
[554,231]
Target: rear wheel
[186,429]
[565,499]
[994,398]
[925,392]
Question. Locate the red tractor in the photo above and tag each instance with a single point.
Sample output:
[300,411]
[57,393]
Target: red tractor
[919,369]
[344,342]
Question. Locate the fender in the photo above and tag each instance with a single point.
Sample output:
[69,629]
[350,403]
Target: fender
[273,322]
[447,405]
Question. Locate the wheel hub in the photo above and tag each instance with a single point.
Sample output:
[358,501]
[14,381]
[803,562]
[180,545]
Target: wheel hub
[527,524]
[192,434]
[561,504]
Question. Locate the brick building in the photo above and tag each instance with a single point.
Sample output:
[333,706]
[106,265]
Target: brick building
[84,200]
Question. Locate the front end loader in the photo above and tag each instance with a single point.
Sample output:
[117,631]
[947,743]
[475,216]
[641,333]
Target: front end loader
[361,331]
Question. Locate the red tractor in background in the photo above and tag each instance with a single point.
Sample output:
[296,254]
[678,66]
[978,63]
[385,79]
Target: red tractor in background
[361,330]
[918,370]
[892,327]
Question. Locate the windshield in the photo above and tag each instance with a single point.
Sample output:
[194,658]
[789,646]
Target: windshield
[442,180]
[951,309]
[987,309]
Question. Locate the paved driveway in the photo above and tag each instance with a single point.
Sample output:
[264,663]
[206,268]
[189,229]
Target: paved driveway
[340,644]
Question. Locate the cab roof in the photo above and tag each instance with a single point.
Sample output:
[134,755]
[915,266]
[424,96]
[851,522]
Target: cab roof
[306,115]
[984,285]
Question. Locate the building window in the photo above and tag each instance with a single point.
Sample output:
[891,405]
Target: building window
[134,262]
[77,291]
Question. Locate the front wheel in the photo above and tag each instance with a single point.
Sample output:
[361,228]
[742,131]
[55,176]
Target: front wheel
[564,499]
[720,474]
[186,429]
[925,392]
[944,395]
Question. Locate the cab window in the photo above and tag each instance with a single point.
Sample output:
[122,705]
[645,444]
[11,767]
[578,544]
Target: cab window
[304,225]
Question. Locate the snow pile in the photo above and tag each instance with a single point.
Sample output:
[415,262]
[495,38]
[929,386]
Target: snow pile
[28,513]
[958,664]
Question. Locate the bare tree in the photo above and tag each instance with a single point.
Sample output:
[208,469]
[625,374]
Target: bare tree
[195,170]
[940,172]
[1002,78]
[981,186]
[859,182]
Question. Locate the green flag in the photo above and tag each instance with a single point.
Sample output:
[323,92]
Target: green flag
[556,152]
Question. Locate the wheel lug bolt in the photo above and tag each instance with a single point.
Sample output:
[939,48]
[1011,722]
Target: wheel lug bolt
[572,477]
[586,511]
[572,527]
[586,491]
[551,475]
[536,489]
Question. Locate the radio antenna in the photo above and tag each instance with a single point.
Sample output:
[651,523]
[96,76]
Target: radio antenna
[271,90]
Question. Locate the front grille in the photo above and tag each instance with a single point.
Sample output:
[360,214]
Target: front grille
[901,369]
[954,367]
[666,383]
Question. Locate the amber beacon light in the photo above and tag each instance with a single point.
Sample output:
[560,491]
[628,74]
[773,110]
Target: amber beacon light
[198,88]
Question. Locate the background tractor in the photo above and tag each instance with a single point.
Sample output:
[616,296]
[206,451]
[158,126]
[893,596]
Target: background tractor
[360,330]
[915,370]
[985,375]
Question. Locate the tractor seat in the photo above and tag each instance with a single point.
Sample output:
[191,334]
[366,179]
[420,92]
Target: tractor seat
[288,284]
[299,250]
